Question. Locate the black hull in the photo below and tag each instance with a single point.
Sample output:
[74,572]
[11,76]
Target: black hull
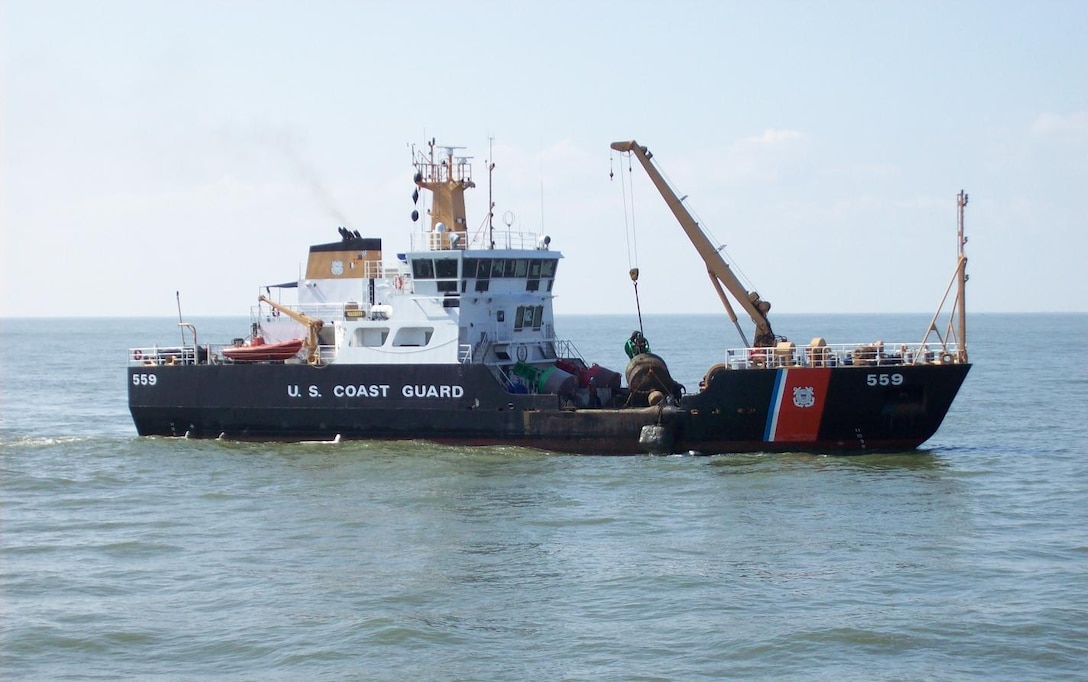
[839,409]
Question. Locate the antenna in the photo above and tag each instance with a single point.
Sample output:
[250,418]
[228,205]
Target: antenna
[181,320]
[961,294]
[490,201]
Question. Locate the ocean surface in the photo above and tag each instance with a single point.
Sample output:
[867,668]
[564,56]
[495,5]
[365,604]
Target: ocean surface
[135,558]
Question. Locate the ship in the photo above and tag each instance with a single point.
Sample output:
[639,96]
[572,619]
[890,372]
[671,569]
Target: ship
[454,341]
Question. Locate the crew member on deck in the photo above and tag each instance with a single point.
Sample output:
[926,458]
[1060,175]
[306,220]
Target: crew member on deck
[636,345]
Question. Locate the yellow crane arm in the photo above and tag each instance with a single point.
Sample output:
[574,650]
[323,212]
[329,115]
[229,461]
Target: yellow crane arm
[313,326]
[717,267]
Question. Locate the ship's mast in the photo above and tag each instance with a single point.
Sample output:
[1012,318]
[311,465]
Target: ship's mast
[719,271]
[446,179]
[961,278]
[490,199]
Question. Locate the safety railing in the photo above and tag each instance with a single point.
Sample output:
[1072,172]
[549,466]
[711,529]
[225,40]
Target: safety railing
[877,354]
[169,356]
[166,355]
[566,349]
[504,239]
[327,312]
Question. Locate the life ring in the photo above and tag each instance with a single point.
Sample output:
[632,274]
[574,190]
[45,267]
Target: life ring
[398,282]
[523,353]
[137,354]
[946,358]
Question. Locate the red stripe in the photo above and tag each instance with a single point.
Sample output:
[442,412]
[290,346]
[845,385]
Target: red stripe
[804,394]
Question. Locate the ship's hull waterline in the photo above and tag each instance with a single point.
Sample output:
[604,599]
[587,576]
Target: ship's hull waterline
[833,409]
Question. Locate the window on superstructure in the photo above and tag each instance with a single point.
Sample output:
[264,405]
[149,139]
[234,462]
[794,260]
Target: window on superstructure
[534,268]
[483,268]
[445,268]
[423,268]
[413,336]
[469,266]
[528,316]
[547,268]
[496,267]
[522,268]
[511,267]
[370,337]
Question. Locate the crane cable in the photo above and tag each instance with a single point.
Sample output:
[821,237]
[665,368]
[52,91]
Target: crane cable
[629,231]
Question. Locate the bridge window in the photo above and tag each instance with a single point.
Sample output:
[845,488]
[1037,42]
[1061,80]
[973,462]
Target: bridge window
[423,268]
[445,268]
[494,268]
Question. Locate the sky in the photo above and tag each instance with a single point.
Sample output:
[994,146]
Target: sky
[156,149]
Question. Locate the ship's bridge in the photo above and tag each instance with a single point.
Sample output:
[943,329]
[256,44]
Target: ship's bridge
[497,271]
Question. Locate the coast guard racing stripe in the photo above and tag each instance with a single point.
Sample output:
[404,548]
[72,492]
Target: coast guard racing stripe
[797,404]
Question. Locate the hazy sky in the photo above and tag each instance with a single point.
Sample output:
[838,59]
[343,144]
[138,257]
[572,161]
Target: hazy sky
[151,147]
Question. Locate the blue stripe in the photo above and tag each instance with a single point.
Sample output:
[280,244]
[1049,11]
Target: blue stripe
[772,412]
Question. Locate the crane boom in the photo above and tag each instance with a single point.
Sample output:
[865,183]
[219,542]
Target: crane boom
[313,326]
[716,266]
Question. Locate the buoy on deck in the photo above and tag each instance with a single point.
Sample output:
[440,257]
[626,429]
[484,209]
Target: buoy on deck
[648,372]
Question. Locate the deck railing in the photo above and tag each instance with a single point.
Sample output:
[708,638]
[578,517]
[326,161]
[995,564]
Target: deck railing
[877,354]
[504,239]
[784,355]
[169,355]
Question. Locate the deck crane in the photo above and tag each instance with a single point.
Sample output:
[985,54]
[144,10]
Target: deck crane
[719,271]
[313,326]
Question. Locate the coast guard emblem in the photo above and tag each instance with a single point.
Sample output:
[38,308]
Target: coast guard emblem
[804,396]
[338,267]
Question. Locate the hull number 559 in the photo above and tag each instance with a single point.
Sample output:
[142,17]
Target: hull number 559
[895,379]
[144,379]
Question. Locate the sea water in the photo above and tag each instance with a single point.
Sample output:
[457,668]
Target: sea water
[132,558]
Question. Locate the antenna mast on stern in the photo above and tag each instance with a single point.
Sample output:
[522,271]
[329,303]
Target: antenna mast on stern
[961,280]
